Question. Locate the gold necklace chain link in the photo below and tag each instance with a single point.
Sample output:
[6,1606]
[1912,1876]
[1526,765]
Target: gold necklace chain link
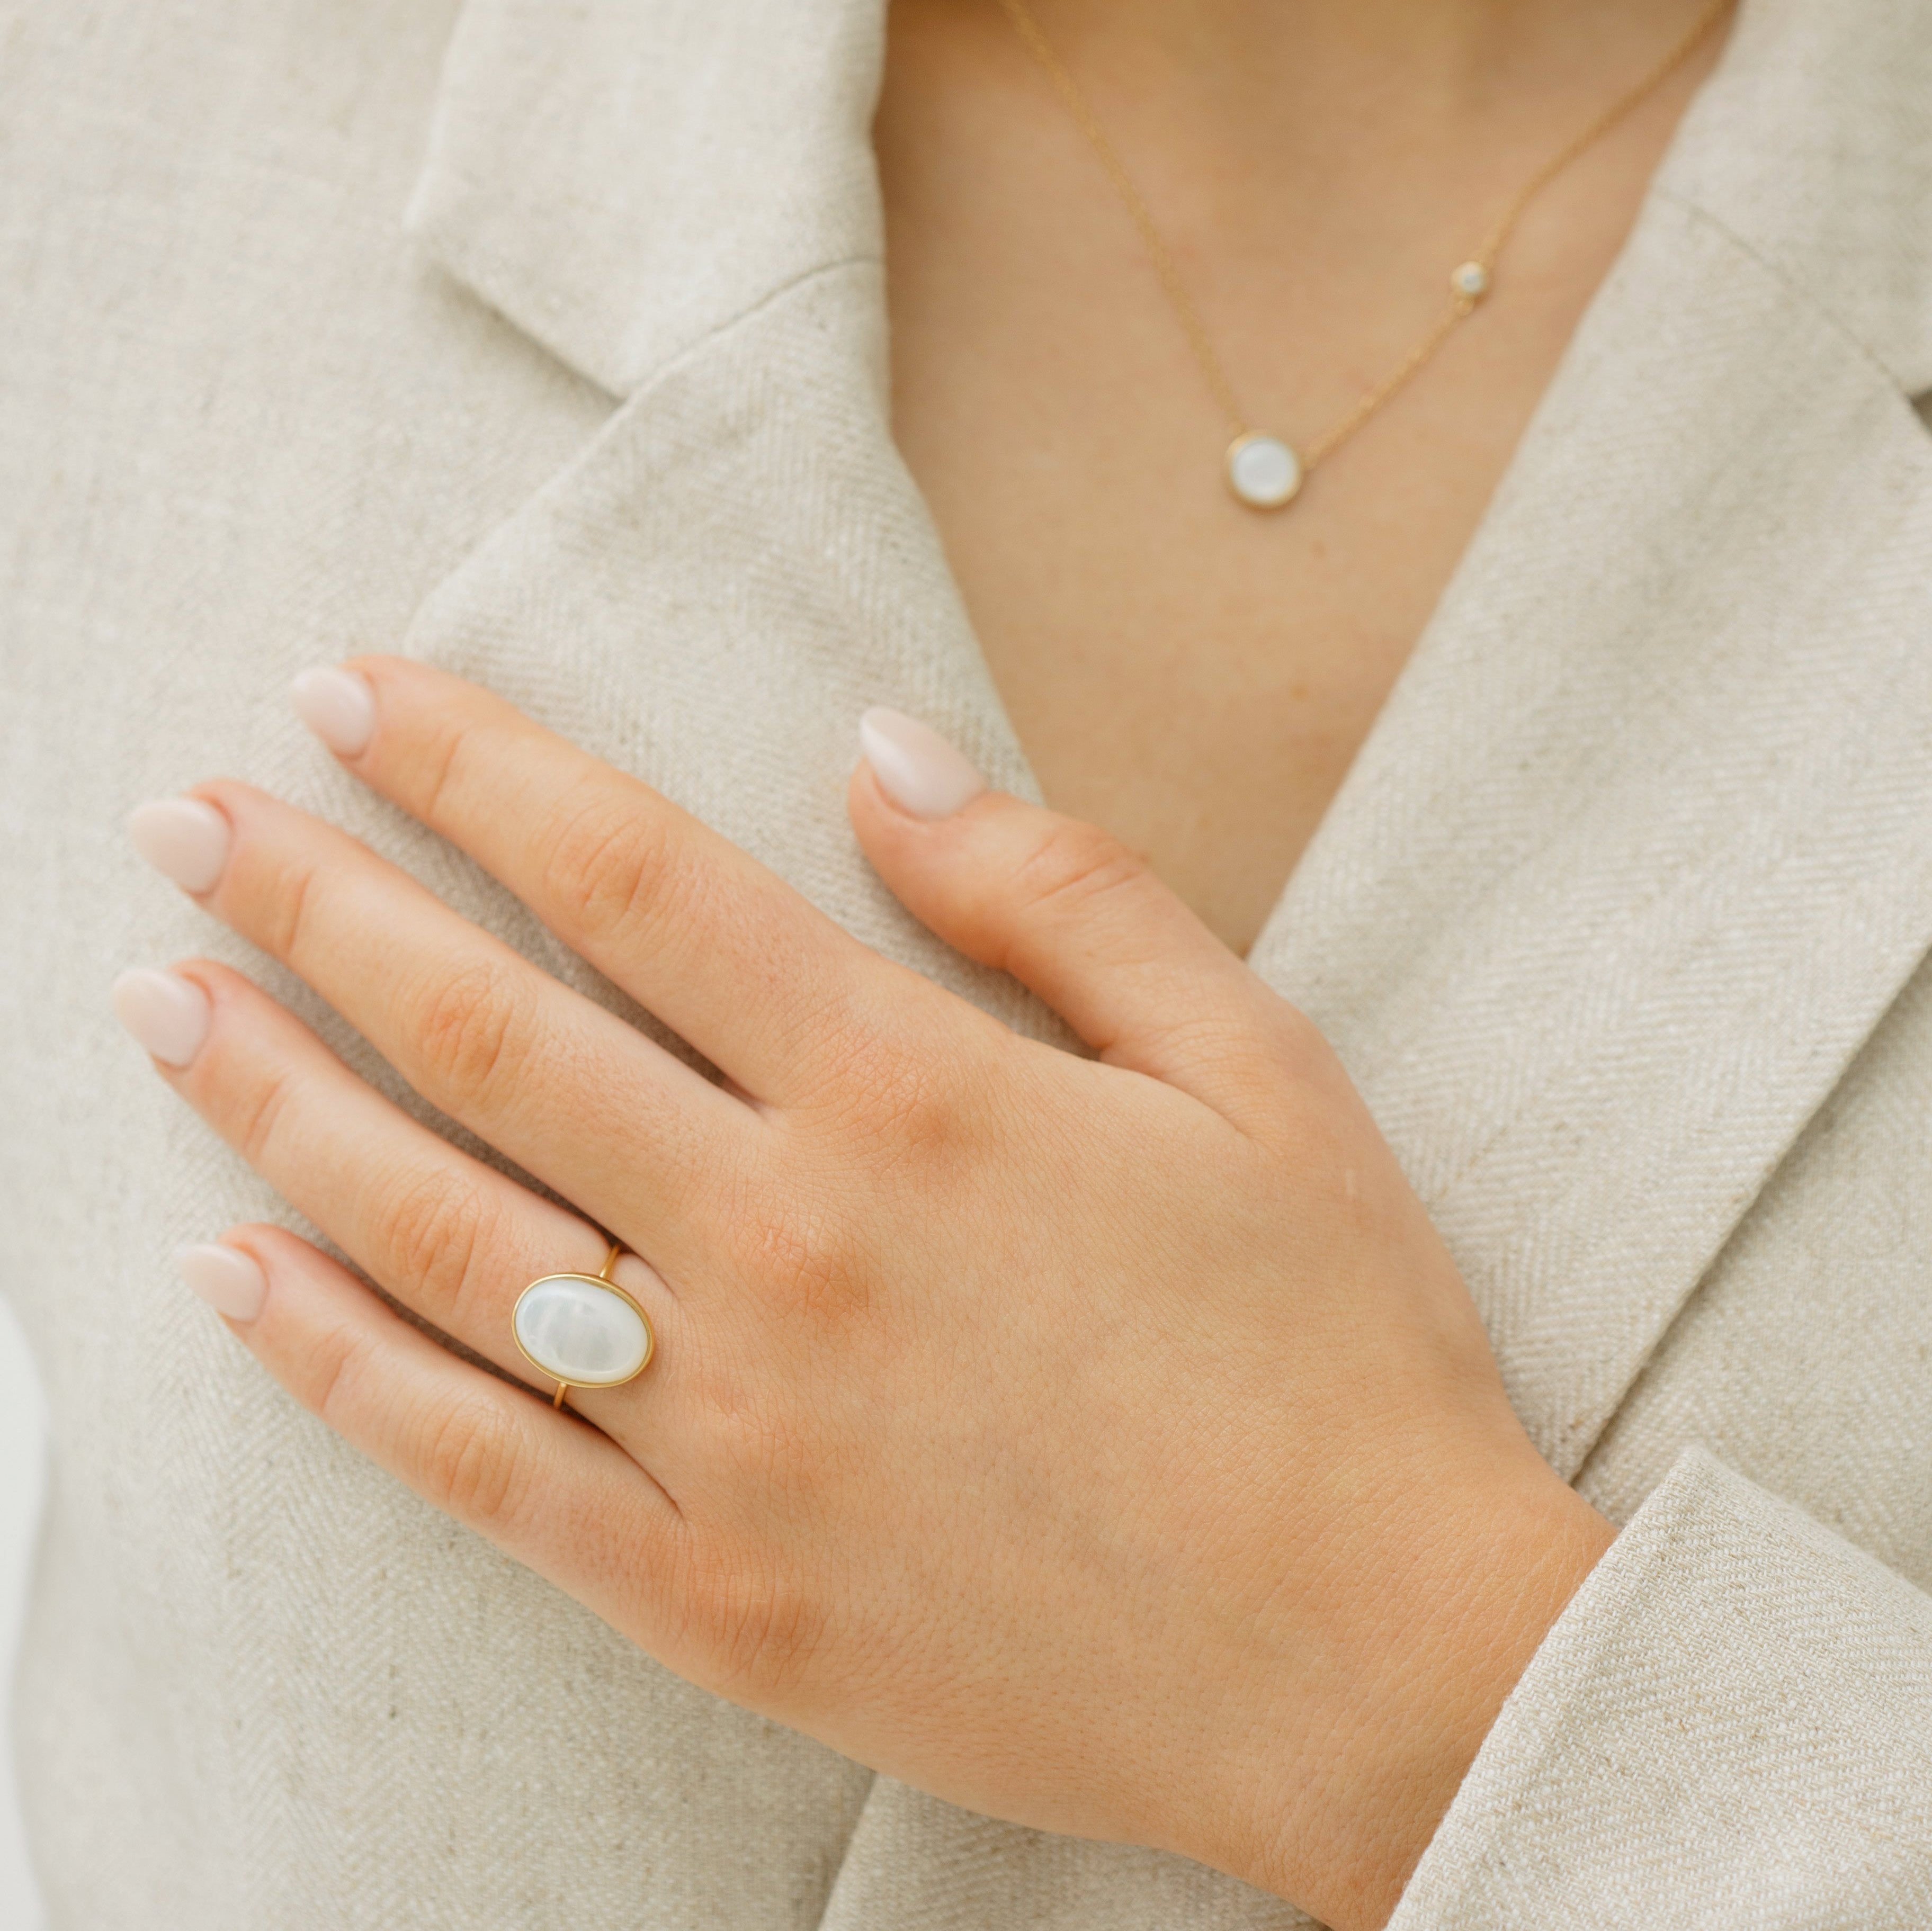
[1469,284]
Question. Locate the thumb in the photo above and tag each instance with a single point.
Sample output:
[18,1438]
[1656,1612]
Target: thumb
[1075,916]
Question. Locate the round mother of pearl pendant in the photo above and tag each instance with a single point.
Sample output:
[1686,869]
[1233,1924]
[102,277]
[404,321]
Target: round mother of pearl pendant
[582,1331]
[1263,471]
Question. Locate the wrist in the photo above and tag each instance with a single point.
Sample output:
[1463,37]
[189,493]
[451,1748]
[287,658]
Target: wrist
[1439,1655]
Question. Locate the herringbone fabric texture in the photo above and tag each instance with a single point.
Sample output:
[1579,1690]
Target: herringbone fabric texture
[1618,921]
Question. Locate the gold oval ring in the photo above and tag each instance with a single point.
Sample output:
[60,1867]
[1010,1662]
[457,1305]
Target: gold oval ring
[584,1330]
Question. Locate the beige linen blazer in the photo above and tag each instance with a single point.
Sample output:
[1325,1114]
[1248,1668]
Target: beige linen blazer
[1618,921]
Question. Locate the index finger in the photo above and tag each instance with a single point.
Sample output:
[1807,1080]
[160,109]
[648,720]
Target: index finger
[699,933]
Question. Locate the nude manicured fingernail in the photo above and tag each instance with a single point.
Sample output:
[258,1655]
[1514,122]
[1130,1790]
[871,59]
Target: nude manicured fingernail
[916,768]
[183,839]
[165,1013]
[338,706]
[227,1278]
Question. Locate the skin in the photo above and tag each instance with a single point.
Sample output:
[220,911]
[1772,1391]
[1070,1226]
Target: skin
[1193,676]
[1107,1444]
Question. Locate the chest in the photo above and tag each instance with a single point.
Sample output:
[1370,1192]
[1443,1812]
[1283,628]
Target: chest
[1193,674]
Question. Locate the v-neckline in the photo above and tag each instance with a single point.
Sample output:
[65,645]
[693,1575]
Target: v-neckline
[1342,806]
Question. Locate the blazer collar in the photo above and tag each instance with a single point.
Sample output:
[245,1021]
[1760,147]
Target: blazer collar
[1637,854]
[621,177]
[1813,145]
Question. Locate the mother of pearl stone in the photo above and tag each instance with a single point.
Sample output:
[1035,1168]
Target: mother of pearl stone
[582,1331]
[1263,471]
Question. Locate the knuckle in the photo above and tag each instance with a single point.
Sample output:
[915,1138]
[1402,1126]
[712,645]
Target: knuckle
[329,1370]
[435,759]
[259,1115]
[467,1460]
[463,1455]
[895,1095]
[607,865]
[756,1620]
[884,1087]
[287,904]
[469,1028]
[797,1249]
[433,1225]
[1073,864]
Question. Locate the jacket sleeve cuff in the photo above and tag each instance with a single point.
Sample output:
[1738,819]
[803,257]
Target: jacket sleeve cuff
[1730,1726]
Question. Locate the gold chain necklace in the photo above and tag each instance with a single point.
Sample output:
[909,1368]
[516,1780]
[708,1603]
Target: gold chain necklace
[1264,471]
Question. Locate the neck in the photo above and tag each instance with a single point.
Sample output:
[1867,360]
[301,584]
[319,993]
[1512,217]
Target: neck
[1445,60]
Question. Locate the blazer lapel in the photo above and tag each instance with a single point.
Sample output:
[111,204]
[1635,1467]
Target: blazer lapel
[1641,847]
[620,178]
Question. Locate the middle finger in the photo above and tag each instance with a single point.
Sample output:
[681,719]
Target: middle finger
[720,949]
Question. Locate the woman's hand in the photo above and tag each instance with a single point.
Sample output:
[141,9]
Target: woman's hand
[1106,1444]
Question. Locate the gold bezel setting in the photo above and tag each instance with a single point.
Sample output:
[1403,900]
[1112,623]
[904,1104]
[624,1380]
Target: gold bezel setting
[604,1280]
